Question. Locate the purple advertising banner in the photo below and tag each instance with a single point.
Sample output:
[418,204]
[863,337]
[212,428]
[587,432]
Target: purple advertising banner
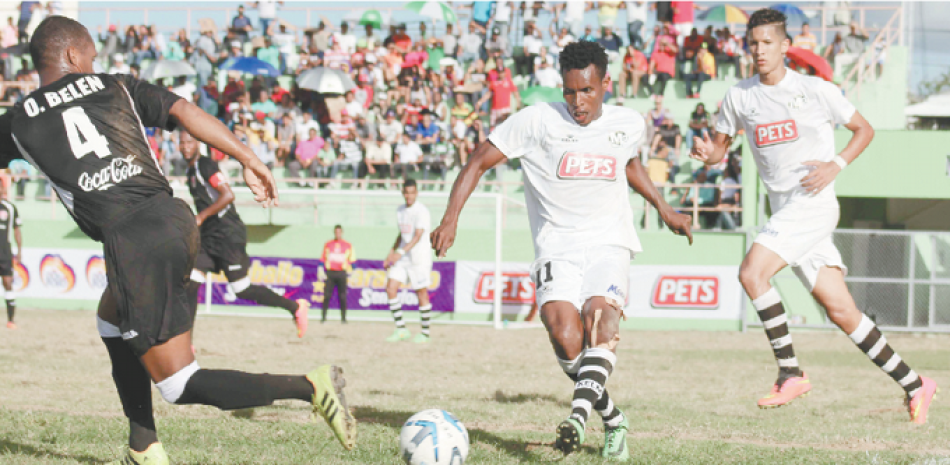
[305,278]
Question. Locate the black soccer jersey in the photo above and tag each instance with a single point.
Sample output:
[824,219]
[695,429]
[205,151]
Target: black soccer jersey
[9,219]
[86,132]
[203,179]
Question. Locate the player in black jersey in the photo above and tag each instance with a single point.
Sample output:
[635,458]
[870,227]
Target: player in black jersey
[10,223]
[224,236]
[86,133]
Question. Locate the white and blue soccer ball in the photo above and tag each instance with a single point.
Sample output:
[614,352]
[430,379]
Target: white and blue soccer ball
[433,437]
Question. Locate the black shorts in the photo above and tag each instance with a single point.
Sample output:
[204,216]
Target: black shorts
[149,256]
[228,257]
[6,265]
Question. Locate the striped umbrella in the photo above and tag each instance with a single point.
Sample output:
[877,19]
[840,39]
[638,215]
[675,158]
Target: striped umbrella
[438,11]
[369,17]
[725,13]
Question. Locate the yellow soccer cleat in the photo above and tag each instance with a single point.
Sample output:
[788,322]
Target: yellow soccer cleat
[154,455]
[330,403]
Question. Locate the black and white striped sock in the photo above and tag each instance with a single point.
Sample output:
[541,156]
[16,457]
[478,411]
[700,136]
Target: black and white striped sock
[596,366]
[611,415]
[396,308]
[424,312]
[869,339]
[772,313]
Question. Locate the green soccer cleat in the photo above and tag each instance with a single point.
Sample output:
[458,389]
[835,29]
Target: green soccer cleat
[422,339]
[330,403]
[400,334]
[154,455]
[615,442]
[570,436]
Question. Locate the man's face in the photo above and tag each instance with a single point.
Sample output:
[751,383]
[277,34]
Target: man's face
[240,11]
[344,28]
[349,97]
[658,102]
[427,120]
[313,134]
[188,146]
[805,29]
[338,234]
[410,193]
[768,46]
[584,93]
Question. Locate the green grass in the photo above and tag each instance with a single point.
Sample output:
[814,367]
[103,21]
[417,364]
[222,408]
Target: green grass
[690,396]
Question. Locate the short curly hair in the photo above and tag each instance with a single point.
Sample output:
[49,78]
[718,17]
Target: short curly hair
[580,55]
[768,16]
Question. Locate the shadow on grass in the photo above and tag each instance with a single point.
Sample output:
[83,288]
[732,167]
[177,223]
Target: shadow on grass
[522,398]
[516,448]
[14,448]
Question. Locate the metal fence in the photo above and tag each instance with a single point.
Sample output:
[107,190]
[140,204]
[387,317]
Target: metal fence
[901,279]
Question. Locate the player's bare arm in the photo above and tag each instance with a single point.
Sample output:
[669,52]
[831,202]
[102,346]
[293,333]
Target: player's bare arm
[486,156]
[397,253]
[639,180]
[710,150]
[225,197]
[389,257]
[825,172]
[209,130]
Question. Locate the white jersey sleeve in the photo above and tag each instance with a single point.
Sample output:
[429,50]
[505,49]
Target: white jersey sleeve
[839,108]
[521,133]
[728,121]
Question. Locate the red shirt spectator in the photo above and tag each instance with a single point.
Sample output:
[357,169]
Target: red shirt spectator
[664,61]
[403,41]
[682,12]
[415,58]
[278,93]
[638,60]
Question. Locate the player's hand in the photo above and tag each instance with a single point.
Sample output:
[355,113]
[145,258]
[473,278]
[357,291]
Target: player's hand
[702,148]
[681,224]
[442,238]
[261,182]
[199,218]
[391,259]
[18,258]
[822,174]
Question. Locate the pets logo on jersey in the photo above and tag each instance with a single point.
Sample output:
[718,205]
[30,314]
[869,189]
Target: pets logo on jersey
[575,165]
[517,288]
[776,133]
[688,292]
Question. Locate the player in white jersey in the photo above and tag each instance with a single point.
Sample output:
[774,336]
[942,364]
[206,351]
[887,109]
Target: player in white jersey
[578,158]
[789,120]
[410,263]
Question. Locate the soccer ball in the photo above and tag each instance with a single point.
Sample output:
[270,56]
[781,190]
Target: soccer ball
[433,437]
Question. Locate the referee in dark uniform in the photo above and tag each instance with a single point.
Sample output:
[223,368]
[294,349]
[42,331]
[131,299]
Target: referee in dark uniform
[10,223]
[86,133]
[224,236]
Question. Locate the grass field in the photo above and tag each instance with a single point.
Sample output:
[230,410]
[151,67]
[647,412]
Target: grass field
[690,396]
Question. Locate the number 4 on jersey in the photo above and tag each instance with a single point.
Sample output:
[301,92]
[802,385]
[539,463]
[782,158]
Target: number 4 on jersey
[79,127]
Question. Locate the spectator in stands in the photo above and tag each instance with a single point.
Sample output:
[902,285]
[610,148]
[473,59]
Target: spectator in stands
[264,104]
[320,39]
[241,26]
[287,46]
[286,137]
[304,126]
[650,41]
[704,195]
[408,155]
[450,41]
[698,124]
[184,89]
[658,113]
[350,154]
[683,18]
[204,56]
[267,12]
[611,42]
[500,91]
[235,50]
[475,135]
[660,172]
[688,52]
[853,46]
[546,76]
[711,41]
[378,160]
[269,53]
[730,195]
[671,134]
[704,70]
[118,65]
[834,48]
[588,35]
[365,129]
[111,43]
[391,129]
[306,157]
[573,13]
[470,45]
[636,18]
[427,133]
[463,110]
[27,10]
[173,49]
[563,38]
[806,40]
[532,43]
[497,42]
[457,130]
[662,66]
[261,140]
[728,51]
[345,39]
[634,70]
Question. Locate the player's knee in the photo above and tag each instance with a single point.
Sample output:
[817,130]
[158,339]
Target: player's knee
[752,279]
[604,324]
[839,311]
[171,388]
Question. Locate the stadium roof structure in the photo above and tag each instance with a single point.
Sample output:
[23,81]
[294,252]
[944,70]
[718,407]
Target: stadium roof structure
[936,106]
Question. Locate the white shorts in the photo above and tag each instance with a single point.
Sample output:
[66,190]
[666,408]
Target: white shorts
[800,231]
[416,276]
[574,277]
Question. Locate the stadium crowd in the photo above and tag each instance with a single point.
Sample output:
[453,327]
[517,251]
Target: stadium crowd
[424,100]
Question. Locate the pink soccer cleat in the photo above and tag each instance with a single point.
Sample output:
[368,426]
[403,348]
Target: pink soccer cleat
[300,317]
[788,391]
[920,404]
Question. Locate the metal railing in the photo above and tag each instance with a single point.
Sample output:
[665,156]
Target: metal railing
[864,68]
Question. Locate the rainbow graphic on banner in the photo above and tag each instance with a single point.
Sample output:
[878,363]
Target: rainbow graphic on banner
[56,274]
[21,277]
[96,273]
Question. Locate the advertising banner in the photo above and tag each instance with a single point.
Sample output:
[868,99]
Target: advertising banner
[305,278]
[60,274]
[475,288]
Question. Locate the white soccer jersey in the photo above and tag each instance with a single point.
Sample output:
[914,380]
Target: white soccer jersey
[409,219]
[786,124]
[575,177]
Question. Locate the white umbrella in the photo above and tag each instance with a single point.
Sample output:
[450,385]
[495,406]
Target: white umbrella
[435,9]
[167,68]
[448,61]
[325,80]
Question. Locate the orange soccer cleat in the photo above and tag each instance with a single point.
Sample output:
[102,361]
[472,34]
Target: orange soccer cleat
[920,404]
[300,316]
[786,392]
